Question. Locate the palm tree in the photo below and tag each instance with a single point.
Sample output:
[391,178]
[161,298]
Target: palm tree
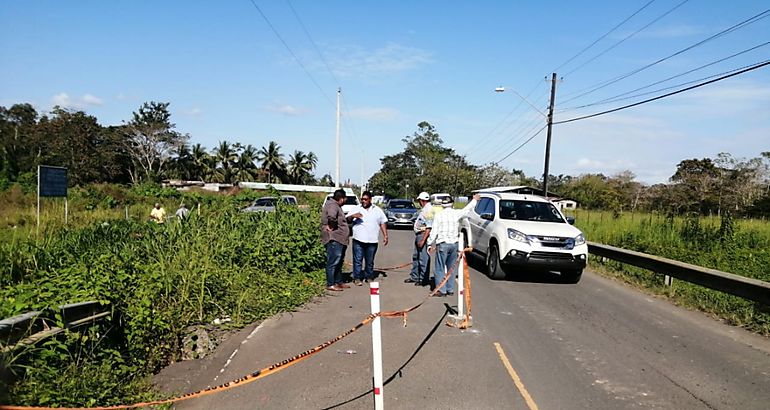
[272,160]
[181,164]
[225,156]
[200,163]
[246,168]
[297,167]
[312,160]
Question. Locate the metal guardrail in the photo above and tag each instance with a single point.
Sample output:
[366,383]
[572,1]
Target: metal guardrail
[752,289]
[32,327]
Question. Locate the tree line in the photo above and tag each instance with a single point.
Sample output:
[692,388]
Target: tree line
[704,186]
[148,147]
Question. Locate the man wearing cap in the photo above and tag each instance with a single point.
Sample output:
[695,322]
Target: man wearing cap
[443,236]
[420,274]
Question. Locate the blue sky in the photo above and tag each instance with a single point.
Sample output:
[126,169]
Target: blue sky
[229,77]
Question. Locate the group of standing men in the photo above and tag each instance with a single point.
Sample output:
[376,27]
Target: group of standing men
[437,228]
[365,222]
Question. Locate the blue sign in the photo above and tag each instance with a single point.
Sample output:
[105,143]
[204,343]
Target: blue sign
[52,181]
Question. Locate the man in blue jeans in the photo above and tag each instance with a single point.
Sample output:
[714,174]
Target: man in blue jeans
[444,235]
[334,236]
[420,274]
[368,221]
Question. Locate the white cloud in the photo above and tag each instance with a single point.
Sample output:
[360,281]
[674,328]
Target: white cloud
[389,59]
[374,113]
[61,99]
[288,110]
[194,112]
[589,163]
[65,101]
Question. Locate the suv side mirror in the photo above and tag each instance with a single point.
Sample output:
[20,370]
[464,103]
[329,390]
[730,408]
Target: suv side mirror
[487,216]
[570,220]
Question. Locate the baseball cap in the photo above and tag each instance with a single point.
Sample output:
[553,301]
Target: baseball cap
[424,196]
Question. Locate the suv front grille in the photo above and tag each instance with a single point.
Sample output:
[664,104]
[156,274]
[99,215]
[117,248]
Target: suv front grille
[551,255]
[556,242]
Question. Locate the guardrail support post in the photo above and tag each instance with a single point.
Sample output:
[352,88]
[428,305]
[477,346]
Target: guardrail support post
[668,280]
[374,291]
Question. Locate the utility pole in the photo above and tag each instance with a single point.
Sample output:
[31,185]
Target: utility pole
[337,169]
[548,139]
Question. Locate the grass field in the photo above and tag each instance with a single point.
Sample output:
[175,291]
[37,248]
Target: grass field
[731,245]
[157,280]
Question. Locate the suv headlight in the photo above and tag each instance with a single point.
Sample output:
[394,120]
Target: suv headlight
[517,236]
[580,240]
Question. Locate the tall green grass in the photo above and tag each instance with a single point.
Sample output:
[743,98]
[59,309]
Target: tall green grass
[731,245]
[158,280]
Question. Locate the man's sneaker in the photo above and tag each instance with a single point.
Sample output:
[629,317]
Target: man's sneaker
[450,293]
[410,280]
[439,294]
[357,282]
[343,286]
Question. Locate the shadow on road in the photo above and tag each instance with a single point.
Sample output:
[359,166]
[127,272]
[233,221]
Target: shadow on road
[476,262]
[398,372]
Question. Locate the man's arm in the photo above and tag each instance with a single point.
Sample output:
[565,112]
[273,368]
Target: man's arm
[384,230]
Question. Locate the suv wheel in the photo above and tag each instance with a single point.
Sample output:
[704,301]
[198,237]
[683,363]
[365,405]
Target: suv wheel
[494,270]
[571,276]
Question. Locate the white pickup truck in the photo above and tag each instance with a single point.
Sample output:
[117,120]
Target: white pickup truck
[527,231]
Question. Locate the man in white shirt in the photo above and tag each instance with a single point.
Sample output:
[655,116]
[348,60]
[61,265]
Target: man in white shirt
[368,221]
[443,236]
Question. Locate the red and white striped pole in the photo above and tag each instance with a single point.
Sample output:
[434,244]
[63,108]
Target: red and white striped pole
[374,291]
[460,276]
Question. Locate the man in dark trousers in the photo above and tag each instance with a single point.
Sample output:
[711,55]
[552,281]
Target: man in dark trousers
[334,236]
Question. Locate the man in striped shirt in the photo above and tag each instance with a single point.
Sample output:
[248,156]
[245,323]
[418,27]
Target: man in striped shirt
[443,237]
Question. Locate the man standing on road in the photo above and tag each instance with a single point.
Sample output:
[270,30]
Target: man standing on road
[420,274]
[368,222]
[444,235]
[334,236]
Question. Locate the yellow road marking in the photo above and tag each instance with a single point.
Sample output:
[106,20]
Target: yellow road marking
[516,380]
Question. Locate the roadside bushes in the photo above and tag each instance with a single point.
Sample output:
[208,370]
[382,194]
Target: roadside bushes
[158,280]
[741,247]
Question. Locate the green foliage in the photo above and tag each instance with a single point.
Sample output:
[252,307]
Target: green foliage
[741,247]
[157,280]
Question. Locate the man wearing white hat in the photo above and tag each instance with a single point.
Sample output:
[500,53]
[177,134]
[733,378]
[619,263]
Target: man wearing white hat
[420,274]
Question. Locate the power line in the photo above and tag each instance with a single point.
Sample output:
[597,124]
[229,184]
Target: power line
[735,27]
[617,97]
[520,132]
[292,53]
[313,42]
[603,36]
[754,67]
[627,37]
[520,146]
[487,139]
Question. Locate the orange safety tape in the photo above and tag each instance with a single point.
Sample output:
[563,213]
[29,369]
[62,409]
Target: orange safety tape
[264,372]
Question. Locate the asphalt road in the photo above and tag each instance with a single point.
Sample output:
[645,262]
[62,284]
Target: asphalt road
[535,343]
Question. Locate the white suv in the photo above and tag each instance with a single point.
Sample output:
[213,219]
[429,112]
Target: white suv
[525,230]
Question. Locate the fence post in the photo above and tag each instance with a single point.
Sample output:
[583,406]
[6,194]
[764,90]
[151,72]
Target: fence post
[126,212]
[374,291]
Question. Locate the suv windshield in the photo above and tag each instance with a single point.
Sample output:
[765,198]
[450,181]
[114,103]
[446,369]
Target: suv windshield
[351,200]
[529,211]
[401,205]
[265,202]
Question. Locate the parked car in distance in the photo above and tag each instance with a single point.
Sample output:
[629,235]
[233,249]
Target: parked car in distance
[526,231]
[351,200]
[267,203]
[443,198]
[401,212]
